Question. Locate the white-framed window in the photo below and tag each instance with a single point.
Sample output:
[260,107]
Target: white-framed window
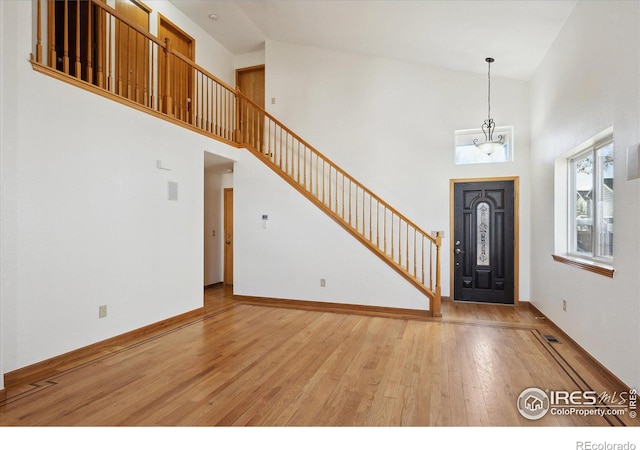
[584,201]
[467,153]
[591,202]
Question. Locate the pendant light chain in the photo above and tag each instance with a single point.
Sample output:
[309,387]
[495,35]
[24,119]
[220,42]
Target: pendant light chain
[489,95]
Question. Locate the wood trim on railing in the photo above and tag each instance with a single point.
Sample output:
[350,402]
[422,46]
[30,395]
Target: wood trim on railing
[589,266]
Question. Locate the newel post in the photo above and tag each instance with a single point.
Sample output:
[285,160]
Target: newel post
[437,300]
[168,101]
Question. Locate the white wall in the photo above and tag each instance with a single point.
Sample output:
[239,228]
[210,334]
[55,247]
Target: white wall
[249,59]
[85,216]
[6,54]
[391,125]
[300,246]
[590,80]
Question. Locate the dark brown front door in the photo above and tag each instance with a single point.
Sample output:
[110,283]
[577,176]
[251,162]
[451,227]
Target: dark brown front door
[483,241]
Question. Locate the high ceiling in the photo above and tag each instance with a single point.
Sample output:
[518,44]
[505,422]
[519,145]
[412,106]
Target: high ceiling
[454,34]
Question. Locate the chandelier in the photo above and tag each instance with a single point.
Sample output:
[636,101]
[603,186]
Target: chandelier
[489,145]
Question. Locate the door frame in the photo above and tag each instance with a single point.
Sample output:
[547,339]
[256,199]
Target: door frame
[239,71]
[249,69]
[163,22]
[118,41]
[162,19]
[225,255]
[516,230]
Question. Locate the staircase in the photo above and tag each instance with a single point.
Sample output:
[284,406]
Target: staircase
[400,243]
[162,82]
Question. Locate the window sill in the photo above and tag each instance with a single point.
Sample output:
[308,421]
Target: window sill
[585,264]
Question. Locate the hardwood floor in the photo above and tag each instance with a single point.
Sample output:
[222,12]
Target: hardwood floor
[241,363]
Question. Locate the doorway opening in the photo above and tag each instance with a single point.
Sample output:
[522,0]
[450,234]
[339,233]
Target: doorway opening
[218,178]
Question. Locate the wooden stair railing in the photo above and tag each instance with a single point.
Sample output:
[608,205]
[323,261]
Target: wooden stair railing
[96,48]
[412,252]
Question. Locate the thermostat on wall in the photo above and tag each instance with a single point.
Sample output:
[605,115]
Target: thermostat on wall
[160,164]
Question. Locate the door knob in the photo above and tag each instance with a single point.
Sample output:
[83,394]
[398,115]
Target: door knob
[458,251]
[228,242]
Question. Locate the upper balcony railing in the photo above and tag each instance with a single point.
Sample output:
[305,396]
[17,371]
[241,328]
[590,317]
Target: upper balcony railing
[90,44]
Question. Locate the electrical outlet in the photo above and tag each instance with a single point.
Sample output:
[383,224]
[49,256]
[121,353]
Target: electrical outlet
[102,311]
[564,305]
[323,282]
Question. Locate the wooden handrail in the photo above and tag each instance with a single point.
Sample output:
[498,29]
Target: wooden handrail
[121,18]
[334,165]
[358,210]
[155,77]
[202,70]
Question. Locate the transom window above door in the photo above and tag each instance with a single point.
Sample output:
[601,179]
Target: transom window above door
[467,153]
